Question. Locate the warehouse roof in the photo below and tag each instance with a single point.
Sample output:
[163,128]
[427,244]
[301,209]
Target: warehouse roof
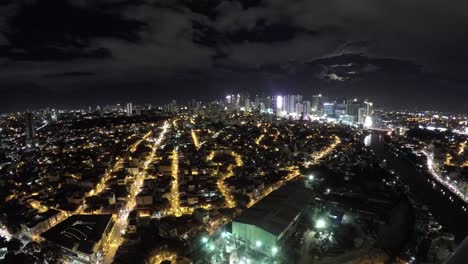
[276,211]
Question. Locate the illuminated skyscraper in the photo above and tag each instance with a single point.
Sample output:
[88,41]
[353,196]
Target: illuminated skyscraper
[329,109]
[279,105]
[316,103]
[369,108]
[306,107]
[353,108]
[362,115]
[299,109]
[247,105]
[129,109]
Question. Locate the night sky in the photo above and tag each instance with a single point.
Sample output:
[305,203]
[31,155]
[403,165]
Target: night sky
[400,53]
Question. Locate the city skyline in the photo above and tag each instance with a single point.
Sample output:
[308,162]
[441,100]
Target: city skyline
[150,51]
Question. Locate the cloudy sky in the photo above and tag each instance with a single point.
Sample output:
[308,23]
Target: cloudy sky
[401,53]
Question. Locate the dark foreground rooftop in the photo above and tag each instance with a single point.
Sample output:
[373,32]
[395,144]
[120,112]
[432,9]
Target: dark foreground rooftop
[79,232]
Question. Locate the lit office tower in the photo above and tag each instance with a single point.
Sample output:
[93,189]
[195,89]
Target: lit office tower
[362,115]
[129,109]
[329,109]
[369,108]
[299,109]
[316,102]
[279,105]
[290,102]
[353,108]
[247,104]
[306,107]
[340,109]
[30,129]
[228,100]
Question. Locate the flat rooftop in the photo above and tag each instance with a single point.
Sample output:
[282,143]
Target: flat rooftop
[42,217]
[79,232]
[275,212]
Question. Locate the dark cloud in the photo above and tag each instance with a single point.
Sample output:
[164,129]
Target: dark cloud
[60,30]
[68,74]
[192,48]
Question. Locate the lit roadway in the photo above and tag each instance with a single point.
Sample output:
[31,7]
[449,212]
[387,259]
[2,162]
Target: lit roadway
[121,223]
[195,139]
[295,172]
[259,139]
[434,171]
[230,202]
[102,183]
[175,196]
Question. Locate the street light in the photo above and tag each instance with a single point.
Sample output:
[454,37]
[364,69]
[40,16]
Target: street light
[311,177]
[211,247]
[320,224]
[204,240]
[274,250]
[258,243]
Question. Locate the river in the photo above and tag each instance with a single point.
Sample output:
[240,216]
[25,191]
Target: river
[448,213]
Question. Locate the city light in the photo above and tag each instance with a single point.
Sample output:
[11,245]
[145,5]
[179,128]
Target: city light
[279,102]
[229,198]
[217,162]
[175,183]
[320,224]
[274,250]
[211,247]
[368,122]
[258,243]
[434,171]
[122,223]
[195,139]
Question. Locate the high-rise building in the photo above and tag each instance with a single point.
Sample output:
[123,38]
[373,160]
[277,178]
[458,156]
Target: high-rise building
[299,109]
[280,105]
[369,108]
[329,109]
[129,109]
[353,108]
[247,107]
[29,127]
[362,115]
[316,103]
[340,109]
[306,107]
[290,102]
[262,108]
